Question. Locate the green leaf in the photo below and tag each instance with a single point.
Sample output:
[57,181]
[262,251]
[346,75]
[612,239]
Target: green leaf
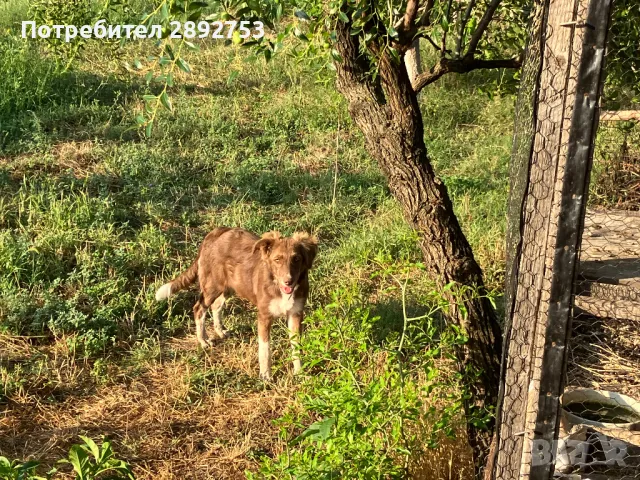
[445,24]
[166,101]
[164,12]
[148,129]
[149,98]
[195,16]
[299,34]
[95,451]
[336,56]
[232,76]
[169,51]
[242,12]
[343,16]
[106,453]
[177,8]
[302,15]
[192,46]
[182,65]
[324,427]
[78,459]
[196,5]
[394,54]
[235,37]
[140,119]
[319,431]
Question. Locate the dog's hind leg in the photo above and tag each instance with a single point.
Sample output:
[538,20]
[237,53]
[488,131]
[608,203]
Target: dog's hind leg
[216,308]
[200,310]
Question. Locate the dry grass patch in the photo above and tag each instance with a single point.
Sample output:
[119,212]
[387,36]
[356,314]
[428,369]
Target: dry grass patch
[165,422]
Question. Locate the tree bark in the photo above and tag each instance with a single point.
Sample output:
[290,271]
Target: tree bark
[389,117]
[412,61]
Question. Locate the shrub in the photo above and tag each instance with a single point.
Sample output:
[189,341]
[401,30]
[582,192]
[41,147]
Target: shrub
[367,397]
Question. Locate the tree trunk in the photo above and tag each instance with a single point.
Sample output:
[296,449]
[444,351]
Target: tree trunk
[389,117]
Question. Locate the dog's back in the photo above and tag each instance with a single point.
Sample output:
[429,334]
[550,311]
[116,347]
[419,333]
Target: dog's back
[189,276]
[227,261]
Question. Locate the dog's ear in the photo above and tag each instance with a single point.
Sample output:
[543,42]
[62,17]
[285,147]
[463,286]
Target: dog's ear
[265,244]
[309,244]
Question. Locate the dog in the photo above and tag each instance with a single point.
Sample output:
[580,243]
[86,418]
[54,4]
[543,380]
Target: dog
[272,272]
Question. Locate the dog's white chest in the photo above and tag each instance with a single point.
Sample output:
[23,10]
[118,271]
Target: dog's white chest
[280,306]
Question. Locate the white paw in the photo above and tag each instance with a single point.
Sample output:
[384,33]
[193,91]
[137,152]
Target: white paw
[205,343]
[223,333]
[265,376]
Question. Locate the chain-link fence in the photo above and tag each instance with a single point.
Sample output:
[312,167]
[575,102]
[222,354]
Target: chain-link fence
[571,370]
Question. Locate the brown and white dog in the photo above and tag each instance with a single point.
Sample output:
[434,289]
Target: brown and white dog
[271,272]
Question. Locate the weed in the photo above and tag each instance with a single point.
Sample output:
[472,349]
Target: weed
[88,460]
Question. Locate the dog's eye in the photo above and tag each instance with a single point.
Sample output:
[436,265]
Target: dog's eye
[296,259]
[278,260]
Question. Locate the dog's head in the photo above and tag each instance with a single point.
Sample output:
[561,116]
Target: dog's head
[288,258]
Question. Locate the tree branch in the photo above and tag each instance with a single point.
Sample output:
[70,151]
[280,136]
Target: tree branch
[482,26]
[463,65]
[410,14]
[430,40]
[408,26]
[412,61]
[444,34]
[425,19]
[463,25]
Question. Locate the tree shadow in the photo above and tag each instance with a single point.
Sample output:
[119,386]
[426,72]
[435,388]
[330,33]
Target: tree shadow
[391,321]
[69,106]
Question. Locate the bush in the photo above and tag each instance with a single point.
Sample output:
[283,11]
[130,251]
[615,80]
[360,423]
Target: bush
[370,405]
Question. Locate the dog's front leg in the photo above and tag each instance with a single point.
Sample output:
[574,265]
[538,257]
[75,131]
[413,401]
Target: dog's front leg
[295,326]
[264,351]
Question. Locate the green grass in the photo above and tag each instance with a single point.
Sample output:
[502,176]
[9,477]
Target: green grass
[94,217]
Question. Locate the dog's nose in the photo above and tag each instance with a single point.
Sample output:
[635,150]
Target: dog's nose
[288,282]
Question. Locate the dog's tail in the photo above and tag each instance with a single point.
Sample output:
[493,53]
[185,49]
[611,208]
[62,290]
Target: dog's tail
[189,276]
[182,281]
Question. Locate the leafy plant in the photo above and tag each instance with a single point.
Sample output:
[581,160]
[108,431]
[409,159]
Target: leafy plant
[360,411]
[15,470]
[89,462]
[623,63]
[68,12]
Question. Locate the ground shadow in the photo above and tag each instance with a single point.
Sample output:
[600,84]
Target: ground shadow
[611,271]
[391,321]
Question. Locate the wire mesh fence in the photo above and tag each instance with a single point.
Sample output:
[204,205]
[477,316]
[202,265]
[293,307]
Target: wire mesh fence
[571,372]
[601,404]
